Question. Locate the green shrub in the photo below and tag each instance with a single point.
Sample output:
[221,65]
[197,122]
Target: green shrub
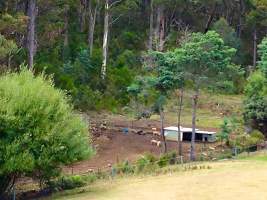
[227,154]
[39,130]
[168,158]
[255,104]
[91,178]
[259,137]
[67,183]
[146,163]
[87,99]
[124,168]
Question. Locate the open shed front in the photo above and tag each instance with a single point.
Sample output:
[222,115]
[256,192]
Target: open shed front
[171,134]
[199,137]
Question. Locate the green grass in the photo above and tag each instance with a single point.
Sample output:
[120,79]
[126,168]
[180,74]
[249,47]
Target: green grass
[256,156]
[244,179]
[211,109]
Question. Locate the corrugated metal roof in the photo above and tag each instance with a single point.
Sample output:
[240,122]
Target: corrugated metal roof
[174,128]
[184,130]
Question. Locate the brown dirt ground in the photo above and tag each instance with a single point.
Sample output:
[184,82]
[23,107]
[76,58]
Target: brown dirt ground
[113,146]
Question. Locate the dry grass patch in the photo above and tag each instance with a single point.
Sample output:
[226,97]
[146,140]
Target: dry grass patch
[231,180]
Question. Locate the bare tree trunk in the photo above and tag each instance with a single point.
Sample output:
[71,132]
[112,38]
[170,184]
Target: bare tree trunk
[180,148]
[91,24]
[151,26]
[226,10]
[157,28]
[9,61]
[194,108]
[6,6]
[162,128]
[82,13]
[105,41]
[254,49]
[162,30]
[66,33]
[31,47]
[210,19]
[241,12]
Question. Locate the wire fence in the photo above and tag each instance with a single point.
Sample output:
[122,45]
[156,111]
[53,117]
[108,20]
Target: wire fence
[205,154]
[180,163]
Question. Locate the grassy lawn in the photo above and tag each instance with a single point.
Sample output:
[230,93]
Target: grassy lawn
[211,109]
[244,179]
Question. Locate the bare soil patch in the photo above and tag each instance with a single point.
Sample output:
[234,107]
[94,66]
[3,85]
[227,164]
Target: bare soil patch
[113,145]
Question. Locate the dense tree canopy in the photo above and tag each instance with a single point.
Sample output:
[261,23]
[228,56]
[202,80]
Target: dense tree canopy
[255,111]
[102,54]
[77,36]
[39,130]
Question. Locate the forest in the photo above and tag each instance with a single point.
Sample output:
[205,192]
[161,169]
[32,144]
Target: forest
[95,49]
[121,56]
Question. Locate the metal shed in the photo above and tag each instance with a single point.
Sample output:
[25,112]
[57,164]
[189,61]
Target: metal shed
[171,134]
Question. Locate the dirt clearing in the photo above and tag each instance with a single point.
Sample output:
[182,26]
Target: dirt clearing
[113,146]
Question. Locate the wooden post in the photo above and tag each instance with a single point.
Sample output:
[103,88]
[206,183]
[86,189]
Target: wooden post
[193,138]
[162,128]
[14,192]
[180,148]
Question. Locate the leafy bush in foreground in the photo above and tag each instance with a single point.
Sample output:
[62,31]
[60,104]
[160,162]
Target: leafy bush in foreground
[71,182]
[39,131]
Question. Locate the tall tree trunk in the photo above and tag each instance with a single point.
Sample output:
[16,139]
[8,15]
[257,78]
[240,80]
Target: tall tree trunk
[157,31]
[240,18]
[31,47]
[91,24]
[193,138]
[151,26]
[66,34]
[254,49]
[105,41]
[162,128]
[82,14]
[210,19]
[181,96]
[162,30]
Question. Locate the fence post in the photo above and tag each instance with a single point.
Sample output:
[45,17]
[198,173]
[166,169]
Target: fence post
[235,151]
[14,192]
[113,171]
[182,160]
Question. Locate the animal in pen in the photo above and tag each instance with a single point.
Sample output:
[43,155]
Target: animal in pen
[156,142]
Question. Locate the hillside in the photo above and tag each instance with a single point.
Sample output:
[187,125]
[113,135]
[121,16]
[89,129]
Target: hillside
[93,88]
[113,146]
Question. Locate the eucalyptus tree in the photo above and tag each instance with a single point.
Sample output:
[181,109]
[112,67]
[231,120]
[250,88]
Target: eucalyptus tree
[158,81]
[162,82]
[257,20]
[263,56]
[255,104]
[171,75]
[204,59]
[31,12]
[114,10]
[93,8]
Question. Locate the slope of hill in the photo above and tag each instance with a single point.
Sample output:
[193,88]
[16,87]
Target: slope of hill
[241,179]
